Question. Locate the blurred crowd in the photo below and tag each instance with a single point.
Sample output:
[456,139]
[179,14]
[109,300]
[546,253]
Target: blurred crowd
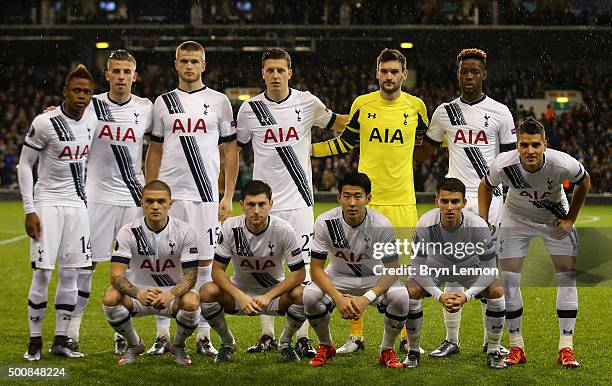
[585,132]
[301,12]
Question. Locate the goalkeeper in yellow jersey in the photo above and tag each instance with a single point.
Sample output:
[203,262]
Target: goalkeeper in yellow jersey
[385,124]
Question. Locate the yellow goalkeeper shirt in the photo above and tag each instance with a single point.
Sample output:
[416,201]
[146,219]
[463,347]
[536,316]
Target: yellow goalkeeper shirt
[385,131]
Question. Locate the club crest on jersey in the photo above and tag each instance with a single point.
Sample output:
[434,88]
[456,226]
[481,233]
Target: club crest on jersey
[298,115]
[351,257]
[156,265]
[257,265]
[366,241]
[171,245]
[406,119]
[486,117]
[136,118]
[74,152]
[549,184]
[271,246]
[279,136]
[117,133]
[40,252]
[473,137]
[188,126]
[88,133]
[386,136]
[205,109]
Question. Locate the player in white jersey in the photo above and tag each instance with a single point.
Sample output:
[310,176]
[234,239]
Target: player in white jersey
[162,254]
[477,128]
[355,277]
[454,245]
[278,125]
[536,206]
[56,207]
[189,123]
[114,172]
[258,245]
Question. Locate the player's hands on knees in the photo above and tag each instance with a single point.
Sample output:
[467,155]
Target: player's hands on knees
[145,297]
[562,228]
[262,301]
[163,300]
[345,307]
[248,305]
[447,301]
[360,303]
[32,226]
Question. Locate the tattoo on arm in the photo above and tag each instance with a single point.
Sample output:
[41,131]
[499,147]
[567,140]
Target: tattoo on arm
[125,287]
[186,282]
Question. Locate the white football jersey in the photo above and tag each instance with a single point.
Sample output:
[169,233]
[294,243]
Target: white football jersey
[114,165]
[63,144]
[537,196]
[156,258]
[280,136]
[258,258]
[351,249]
[441,248]
[191,126]
[474,132]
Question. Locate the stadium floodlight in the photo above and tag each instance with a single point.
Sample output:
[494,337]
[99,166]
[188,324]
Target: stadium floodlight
[406,45]
[562,99]
[102,45]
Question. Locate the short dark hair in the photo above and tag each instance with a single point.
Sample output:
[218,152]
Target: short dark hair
[157,185]
[451,185]
[355,179]
[472,53]
[255,187]
[189,45]
[275,53]
[388,55]
[531,126]
[80,72]
[120,55]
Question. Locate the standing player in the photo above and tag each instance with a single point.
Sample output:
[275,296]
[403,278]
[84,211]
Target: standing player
[385,124]
[189,123]
[472,250]
[536,206]
[278,122]
[478,128]
[354,278]
[162,255]
[114,171]
[56,208]
[258,244]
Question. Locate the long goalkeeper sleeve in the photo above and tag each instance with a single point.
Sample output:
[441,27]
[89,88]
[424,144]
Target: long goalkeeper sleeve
[341,144]
[25,177]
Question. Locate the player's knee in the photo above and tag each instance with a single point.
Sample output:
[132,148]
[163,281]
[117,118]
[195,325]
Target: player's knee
[494,292]
[210,292]
[112,297]
[415,291]
[190,301]
[297,295]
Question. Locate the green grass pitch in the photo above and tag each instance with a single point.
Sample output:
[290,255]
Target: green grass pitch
[592,341]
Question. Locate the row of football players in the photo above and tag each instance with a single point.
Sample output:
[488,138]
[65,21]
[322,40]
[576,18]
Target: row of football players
[185,127]
[193,185]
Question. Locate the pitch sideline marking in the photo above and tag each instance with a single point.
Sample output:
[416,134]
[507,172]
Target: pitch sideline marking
[13,239]
[589,219]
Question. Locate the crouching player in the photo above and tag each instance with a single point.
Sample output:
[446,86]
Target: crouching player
[258,243]
[162,255]
[354,277]
[452,245]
